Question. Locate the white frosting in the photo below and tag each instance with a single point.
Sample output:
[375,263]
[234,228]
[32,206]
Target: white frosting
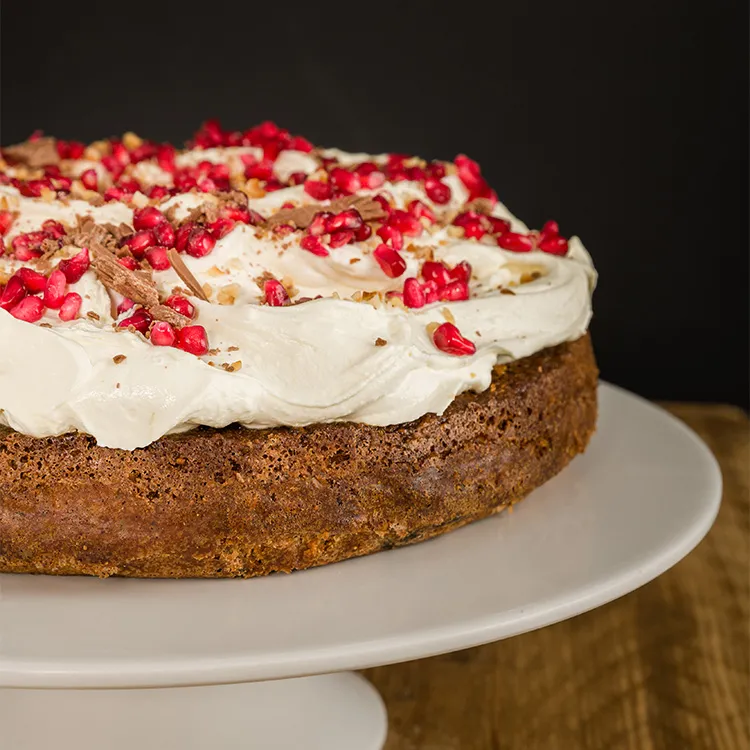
[301,364]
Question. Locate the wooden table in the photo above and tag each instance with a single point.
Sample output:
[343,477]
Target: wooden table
[664,668]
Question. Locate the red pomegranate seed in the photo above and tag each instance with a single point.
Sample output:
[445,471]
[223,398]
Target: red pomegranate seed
[181,305]
[372,180]
[437,191]
[435,170]
[419,210]
[391,235]
[236,213]
[164,234]
[550,229]
[297,178]
[129,262]
[430,290]
[29,309]
[162,334]
[474,230]
[347,182]
[12,294]
[319,223]
[165,154]
[448,339]
[32,280]
[276,295]
[263,170]
[554,245]
[341,238]
[192,339]
[349,219]
[461,272]
[390,261]
[383,201]
[467,217]
[34,188]
[158,259]
[75,267]
[27,246]
[157,192]
[120,153]
[363,233]
[139,242]
[495,225]
[313,245]
[405,222]
[298,143]
[455,291]
[54,291]
[147,218]
[199,243]
[140,320]
[437,272]
[90,179]
[181,236]
[470,174]
[70,306]
[112,165]
[518,243]
[125,305]
[221,228]
[413,294]
[6,221]
[320,191]
[54,229]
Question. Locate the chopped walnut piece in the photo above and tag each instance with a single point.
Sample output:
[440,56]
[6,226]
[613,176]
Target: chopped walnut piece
[118,358]
[380,342]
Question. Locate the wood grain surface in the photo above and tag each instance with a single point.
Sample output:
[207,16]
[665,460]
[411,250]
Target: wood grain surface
[663,668]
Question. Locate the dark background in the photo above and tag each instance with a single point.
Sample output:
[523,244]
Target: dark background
[629,127]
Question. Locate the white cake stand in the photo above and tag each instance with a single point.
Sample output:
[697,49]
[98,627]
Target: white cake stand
[228,663]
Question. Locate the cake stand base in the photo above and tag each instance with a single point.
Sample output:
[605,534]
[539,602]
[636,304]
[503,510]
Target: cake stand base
[333,711]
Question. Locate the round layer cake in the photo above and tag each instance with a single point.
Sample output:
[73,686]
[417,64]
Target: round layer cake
[253,355]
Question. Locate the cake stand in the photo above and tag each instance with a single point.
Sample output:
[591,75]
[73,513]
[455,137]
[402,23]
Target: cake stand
[120,664]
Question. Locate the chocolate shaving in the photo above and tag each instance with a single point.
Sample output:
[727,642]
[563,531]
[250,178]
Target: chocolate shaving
[302,216]
[119,231]
[34,154]
[168,315]
[88,232]
[130,284]
[206,213]
[184,273]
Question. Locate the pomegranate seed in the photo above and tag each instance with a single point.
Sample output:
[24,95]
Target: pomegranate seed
[430,290]
[157,192]
[263,170]
[550,229]
[116,194]
[437,191]
[165,157]
[164,234]
[162,334]
[383,201]
[554,245]
[181,236]
[419,210]
[236,213]
[157,257]
[319,223]
[34,188]
[391,234]
[54,291]
[32,280]
[199,242]
[192,339]
[70,306]
[495,225]
[298,143]
[120,153]
[372,179]
[90,179]
[313,245]
[470,174]
[139,242]
[405,223]
[475,230]
[6,221]
[363,233]
[349,219]
[467,217]
[461,272]
[112,166]
[29,309]
[518,243]
[347,182]
[27,246]
[297,178]
[435,170]
[389,260]
[455,291]
[448,339]
[12,294]
[140,320]
[181,305]
[129,262]
[276,295]
[54,229]
[320,191]
[413,294]
[437,272]
[147,218]
[75,267]
[221,228]
[125,305]
[341,238]
[415,174]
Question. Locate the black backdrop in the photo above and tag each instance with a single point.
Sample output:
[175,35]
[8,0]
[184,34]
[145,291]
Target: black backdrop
[629,127]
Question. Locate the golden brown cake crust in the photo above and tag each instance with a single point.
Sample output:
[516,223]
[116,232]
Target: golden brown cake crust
[239,502]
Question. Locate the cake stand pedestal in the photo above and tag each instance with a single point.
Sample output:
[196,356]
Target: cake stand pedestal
[159,665]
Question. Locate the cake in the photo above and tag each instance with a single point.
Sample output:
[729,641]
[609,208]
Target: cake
[253,355]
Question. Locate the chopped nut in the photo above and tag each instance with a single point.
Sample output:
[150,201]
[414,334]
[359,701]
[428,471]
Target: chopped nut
[228,294]
[117,359]
[448,315]
[380,342]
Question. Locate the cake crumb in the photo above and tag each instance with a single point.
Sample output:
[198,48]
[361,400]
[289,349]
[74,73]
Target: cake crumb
[118,358]
[380,342]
